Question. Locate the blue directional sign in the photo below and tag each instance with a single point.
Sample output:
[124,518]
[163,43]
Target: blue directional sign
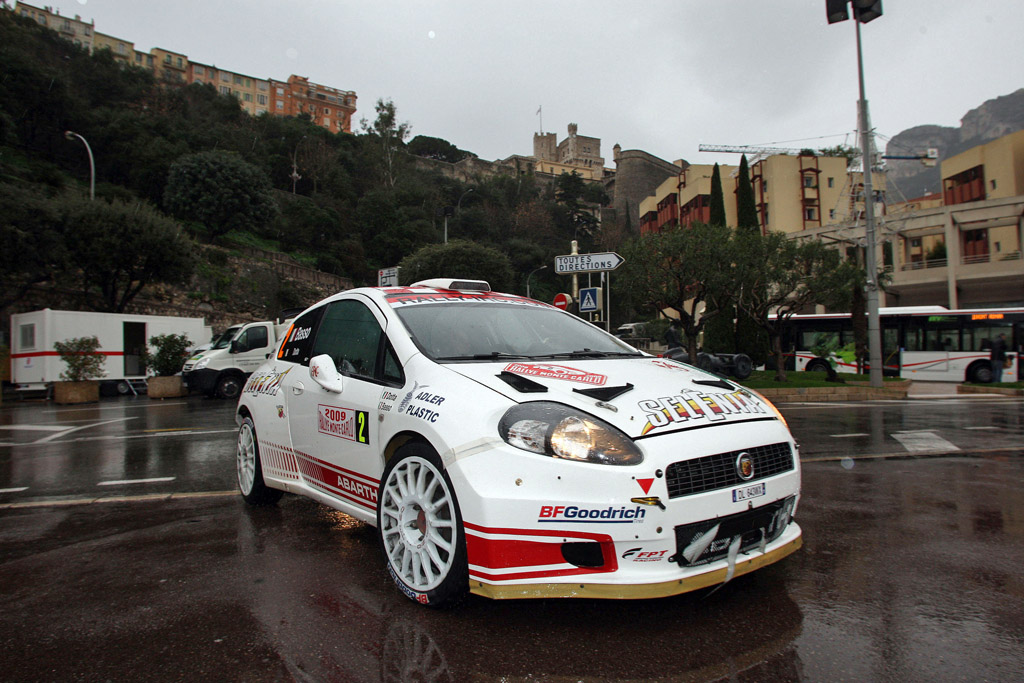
[590,299]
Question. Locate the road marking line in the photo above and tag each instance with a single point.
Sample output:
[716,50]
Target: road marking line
[848,436]
[46,439]
[34,428]
[14,490]
[151,480]
[921,441]
[977,428]
[116,499]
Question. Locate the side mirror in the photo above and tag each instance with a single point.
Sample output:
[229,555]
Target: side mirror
[323,371]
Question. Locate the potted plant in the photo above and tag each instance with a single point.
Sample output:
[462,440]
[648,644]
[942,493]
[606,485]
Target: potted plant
[171,352]
[84,365]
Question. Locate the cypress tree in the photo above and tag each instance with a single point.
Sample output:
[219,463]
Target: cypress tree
[717,199]
[746,208]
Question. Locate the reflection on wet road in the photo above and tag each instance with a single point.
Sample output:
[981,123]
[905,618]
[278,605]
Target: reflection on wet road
[910,569]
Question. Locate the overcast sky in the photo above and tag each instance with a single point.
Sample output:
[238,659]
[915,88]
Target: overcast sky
[662,76]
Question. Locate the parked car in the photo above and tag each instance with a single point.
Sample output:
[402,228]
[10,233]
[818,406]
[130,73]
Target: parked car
[506,448]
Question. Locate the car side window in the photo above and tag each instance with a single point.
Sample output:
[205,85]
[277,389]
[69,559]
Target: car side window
[299,339]
[351,336]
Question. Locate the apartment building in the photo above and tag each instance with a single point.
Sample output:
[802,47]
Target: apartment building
[326,106]
[963,251]
[77,31]
[122,50]
[251,92]
[792,194]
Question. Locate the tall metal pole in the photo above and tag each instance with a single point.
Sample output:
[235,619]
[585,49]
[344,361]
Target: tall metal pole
[70,135]
[874,328]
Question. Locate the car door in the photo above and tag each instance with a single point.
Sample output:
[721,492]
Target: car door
[334,433]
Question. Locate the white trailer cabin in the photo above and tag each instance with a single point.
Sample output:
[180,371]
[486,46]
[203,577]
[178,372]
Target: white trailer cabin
[35,364]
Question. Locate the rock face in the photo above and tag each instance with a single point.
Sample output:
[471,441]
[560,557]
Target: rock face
[993,119]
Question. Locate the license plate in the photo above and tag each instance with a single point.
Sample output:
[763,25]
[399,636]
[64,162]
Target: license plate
[747,492]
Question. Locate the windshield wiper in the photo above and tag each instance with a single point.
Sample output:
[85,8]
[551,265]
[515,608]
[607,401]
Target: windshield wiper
[589,353]
[493,355]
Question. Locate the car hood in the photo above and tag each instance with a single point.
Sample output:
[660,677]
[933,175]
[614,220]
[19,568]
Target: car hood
[641,396]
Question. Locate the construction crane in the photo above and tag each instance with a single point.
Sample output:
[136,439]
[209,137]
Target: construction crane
[747,149]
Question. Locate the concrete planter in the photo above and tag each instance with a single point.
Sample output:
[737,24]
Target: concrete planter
[849,391]
[1004,391]
[76,392]
[166,387]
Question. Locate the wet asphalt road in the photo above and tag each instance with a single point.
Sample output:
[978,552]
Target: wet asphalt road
[911,568]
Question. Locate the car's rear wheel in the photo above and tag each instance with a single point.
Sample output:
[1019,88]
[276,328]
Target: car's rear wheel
[250,471]
[420,528]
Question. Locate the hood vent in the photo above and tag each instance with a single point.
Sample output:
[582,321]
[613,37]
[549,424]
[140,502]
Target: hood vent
[523,385]
[605,393]
[720,383]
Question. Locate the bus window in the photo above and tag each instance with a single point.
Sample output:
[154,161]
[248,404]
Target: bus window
[979,338]
[942,337]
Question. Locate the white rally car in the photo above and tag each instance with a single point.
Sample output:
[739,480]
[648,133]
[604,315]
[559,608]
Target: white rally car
[504,447]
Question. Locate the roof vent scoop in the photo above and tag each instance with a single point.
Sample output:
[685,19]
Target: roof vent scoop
[456,285]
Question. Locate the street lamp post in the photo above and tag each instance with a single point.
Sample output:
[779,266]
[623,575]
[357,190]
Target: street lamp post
[863,12]
[451,211]
[528,279]
[71,135]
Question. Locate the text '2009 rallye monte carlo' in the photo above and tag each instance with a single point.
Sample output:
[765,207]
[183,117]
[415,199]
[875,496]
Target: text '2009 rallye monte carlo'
[507,448]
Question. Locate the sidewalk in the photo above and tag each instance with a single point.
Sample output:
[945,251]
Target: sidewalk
[932,390]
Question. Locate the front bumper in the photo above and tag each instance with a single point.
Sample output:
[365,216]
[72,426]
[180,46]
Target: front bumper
[201,380]
[542,527]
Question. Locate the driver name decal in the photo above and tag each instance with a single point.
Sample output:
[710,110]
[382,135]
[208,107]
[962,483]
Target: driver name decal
[551,371]
[344,423]
[264,382]
[696,405]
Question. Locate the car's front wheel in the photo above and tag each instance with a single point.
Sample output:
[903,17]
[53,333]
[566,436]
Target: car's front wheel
[250,471]
[420,528]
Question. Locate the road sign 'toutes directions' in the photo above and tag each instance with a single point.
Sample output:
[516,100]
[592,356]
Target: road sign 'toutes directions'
[588,263]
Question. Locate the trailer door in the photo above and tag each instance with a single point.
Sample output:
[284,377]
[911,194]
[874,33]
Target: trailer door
[134,345]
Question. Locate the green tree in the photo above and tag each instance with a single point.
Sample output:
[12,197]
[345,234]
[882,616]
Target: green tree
[32,235]
[458,259]
[391,136]
[678,270]
[119,248]
[221,191]
[717,213]
[780,277]
[436,148]
[749,337]
[850,153]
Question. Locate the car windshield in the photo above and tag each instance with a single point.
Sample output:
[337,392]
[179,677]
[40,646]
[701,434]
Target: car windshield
[224,340]
[482,331]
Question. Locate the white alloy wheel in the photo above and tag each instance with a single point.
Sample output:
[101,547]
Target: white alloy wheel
[246,457]
[418,524]
[250,471]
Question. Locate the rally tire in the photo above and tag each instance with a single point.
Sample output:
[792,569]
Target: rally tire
[229,387]
[419,527]
[249,470]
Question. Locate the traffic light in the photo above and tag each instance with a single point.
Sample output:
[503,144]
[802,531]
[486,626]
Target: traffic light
[863,10]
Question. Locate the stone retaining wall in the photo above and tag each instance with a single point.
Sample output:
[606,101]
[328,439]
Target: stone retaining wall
[850,391]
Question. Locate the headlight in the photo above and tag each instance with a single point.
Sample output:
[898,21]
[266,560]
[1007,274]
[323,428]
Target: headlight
[201,363]
[562,432]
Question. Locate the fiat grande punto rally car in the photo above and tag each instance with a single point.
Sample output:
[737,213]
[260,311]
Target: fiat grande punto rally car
[507,448]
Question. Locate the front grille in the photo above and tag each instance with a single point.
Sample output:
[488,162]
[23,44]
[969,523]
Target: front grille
[755,528]
[687,477]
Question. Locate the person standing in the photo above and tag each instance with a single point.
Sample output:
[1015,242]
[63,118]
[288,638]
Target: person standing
[998,356]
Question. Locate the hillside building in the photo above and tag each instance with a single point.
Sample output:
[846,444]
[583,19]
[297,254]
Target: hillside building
[326,106]
[963,251]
